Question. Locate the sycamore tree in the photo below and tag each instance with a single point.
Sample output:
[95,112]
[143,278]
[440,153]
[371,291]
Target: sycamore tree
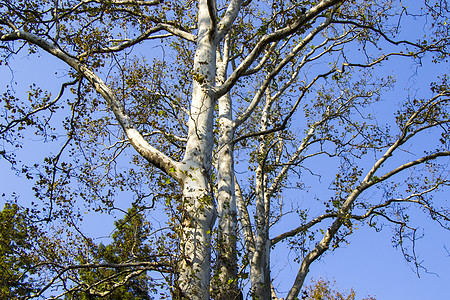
[208,114]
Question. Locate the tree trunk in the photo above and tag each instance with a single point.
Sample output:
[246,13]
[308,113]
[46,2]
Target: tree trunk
[199,209]
[260,262]
[225,279]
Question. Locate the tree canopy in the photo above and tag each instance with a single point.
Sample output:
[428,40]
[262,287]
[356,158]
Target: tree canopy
[220,132]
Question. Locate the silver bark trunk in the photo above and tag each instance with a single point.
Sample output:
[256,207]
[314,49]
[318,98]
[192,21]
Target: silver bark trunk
[199,209]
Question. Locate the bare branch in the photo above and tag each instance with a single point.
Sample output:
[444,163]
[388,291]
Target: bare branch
[385,37]
[411,164]
[134,2]
[145,267]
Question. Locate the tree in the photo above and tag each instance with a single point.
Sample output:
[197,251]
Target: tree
[169,96]
[128,244]
[17,248]
[324,289]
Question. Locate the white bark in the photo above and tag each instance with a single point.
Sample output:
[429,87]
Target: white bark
[226,269]
[227,20]
[199,211]
[260,261]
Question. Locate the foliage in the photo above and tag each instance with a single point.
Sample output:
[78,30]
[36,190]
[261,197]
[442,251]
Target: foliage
[18,237]
[128,244]
[322,289]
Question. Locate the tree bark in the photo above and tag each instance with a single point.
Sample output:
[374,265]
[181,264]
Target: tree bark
[260,262]
[199,209]
[225,279]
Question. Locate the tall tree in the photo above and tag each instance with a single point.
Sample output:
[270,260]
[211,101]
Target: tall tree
[169,96]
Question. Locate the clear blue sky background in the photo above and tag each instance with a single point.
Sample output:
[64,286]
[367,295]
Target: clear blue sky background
[369,263]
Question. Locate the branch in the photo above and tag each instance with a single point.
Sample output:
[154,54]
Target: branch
[13,123]
[409,199]
[211,4]
[257,98]
[124,2]
[367,182]
[178,32]
[270,38]
[323,245]
[403,138]
[263,60]
[142,37]
[147,266]
[306,142]
[120,283]
[151,154]
[411,164]
[227,20]
[133,2]
[382,34]
[288,117]
[301,228]
[314,254]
